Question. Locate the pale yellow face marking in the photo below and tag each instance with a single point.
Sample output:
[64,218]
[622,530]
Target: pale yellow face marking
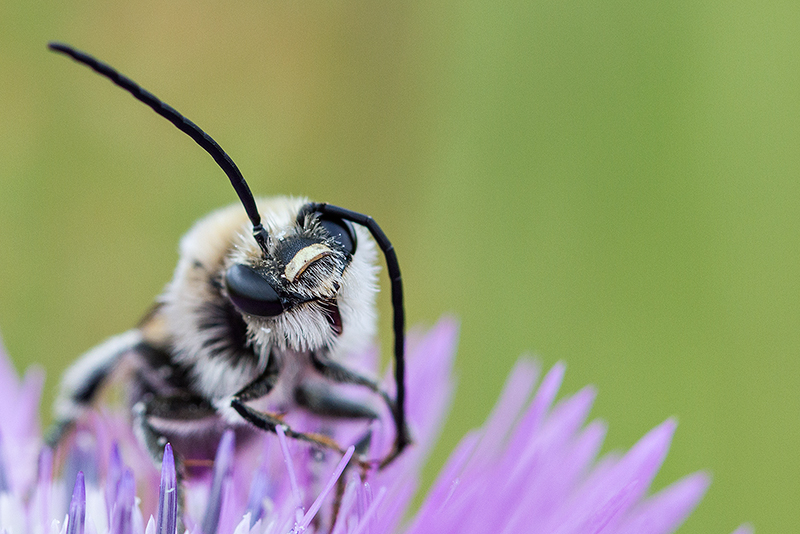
[305,257]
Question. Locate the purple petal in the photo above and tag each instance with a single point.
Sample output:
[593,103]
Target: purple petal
[429,382]
[27,404]
[643,461]
[41,498]
[664,512]
[611,509]
[577,461]
[287,459]
[77,507]
[167,517]
[364,498]
[366,520]
[744,529]
[258,491]
[561,457]
[45,466]
[122,514]
[244,525]
[222,471]
[348,502]
[515,394]
[328,487]
[5,484]
[82,457]
[550,442]
[137,520]
[20,425]
[443,488]
[393,507]
[229,515]
[542,401]
[113,477]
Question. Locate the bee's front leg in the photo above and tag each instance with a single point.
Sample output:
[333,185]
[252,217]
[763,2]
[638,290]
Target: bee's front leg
[261,387]
[270,423]
[337,372]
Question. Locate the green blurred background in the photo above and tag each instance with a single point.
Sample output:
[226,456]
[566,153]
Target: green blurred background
[614,184]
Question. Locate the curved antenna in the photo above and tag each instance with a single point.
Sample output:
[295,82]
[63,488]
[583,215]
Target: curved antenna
[183,124]
[403,438]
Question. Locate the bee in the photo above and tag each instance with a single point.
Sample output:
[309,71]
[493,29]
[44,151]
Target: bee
[258,311]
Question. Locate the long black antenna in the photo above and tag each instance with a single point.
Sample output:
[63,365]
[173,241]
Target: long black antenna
[183,124]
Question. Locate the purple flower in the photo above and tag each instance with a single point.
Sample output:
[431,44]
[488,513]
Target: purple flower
[533,467]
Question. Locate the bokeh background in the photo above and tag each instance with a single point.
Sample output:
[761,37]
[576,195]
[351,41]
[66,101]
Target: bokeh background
[615,184]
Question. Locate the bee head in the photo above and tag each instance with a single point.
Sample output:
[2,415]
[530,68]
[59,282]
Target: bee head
[301,270]
[313,287]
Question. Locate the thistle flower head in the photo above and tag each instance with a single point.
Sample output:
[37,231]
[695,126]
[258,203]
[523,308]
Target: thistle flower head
[532,467]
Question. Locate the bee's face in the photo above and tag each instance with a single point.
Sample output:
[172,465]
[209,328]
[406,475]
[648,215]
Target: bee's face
[314,288]
[303,263]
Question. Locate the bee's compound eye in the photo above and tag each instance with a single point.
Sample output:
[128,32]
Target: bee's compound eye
[342,231]
[251,293]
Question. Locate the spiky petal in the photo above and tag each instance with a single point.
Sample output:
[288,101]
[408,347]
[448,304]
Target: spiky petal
[223,463]
[167,519]
[122,512]
[77,507]
[533,467]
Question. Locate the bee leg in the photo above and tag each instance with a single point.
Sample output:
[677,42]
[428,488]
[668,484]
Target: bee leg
[269,422]
[342,375]
[176,415]
[260,387]
[323,400]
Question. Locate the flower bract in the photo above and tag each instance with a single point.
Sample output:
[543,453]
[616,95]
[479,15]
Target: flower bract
[534,466]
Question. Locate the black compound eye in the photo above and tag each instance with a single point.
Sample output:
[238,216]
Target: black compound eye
[342,231]
[251,293]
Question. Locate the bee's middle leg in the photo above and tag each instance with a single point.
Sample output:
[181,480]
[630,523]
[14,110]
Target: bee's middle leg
[156,416]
